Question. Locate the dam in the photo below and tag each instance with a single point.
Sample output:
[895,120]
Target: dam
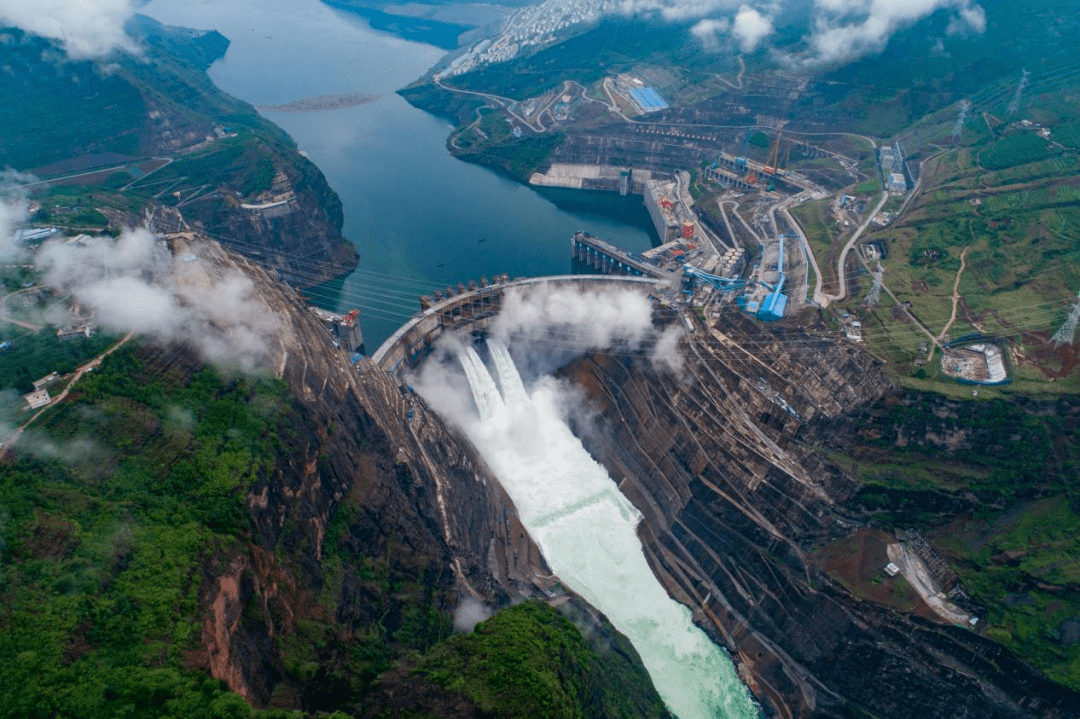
[473,310]
[569,504]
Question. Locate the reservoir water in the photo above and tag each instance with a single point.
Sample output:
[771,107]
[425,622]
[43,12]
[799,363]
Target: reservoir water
[419,218]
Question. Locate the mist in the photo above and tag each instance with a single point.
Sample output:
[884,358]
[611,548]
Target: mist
[86,30]
[559,322]
[134,284]
[469,613]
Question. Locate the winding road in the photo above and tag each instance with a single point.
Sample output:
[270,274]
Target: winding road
[820,296]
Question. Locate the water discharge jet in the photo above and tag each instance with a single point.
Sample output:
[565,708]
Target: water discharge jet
[586,529]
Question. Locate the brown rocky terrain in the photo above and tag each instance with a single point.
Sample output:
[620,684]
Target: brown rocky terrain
[368,519]
[733,502]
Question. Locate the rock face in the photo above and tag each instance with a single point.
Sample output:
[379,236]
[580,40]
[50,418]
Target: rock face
[375,519]
[732,502]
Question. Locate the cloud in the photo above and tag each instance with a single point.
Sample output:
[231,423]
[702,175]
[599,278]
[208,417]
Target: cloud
[675,10]
[134,284]
[750,28]
[12,214]
[707,31]
[559,322]
[846,29]
[468,614]
[86,29]
[839,30]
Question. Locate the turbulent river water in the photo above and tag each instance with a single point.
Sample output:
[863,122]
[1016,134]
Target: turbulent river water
[419,218]
[586,529]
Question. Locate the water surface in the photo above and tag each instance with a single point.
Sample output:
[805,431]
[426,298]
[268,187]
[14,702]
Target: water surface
[419,218]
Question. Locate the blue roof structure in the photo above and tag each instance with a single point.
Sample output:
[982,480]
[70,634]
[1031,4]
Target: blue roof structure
[773,307]
[648,98]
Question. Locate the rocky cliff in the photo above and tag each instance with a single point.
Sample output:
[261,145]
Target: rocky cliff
[181,539]
[372,525]
[734,503]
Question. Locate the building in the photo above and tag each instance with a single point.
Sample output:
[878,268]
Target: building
[45,381]
[37,399]
[73,333]
[661,206]
[647,99]
[891,569]
[772,308]
[345,328]
[892,168]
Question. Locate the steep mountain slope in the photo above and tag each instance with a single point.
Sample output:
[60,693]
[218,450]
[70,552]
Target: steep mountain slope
[738,507]
[110,130]
[178,539]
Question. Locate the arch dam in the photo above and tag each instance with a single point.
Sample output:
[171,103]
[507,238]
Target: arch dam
[473,309]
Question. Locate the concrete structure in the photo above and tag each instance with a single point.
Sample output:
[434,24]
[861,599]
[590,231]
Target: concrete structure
[40,384]
[660,201]
[473,310]
[892,168]
[980,363]
[612,178]
[647,99]
[609,259]
[73,333]
[37,399]
[345,329]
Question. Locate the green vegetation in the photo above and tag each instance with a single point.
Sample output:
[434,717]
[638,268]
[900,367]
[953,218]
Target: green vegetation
[1068,135]
[530,661]
[870,187]
[36,354]
[815,220]
[1019,149]
[1025,568]
[122,502]
[116,501]
[516,157]
[50,109]
[243,164]
[991,484]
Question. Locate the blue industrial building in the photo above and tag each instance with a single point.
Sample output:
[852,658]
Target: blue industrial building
[648,99]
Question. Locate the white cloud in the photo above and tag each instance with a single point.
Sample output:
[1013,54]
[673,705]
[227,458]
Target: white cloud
[675,10]
[134,283]
[707,31]
[86,29]
[846,29]
[840,30]
[750,28]
[12,213]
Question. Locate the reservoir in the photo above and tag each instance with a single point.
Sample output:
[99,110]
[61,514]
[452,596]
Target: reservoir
[419,218]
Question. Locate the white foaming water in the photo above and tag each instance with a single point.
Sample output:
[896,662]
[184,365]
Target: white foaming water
[486,394]
[586,529]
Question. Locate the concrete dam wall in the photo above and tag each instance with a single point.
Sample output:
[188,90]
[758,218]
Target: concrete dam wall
[471,310]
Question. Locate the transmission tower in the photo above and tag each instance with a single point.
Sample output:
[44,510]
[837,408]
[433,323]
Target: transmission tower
[1067,332]
[961,118]
[1014,106]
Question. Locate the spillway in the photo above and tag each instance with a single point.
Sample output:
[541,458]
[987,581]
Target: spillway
[586,530]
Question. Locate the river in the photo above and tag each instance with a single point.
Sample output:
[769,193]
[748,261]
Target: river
[419,218]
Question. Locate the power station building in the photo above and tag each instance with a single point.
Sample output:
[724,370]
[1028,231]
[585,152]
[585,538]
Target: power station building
[892,168]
